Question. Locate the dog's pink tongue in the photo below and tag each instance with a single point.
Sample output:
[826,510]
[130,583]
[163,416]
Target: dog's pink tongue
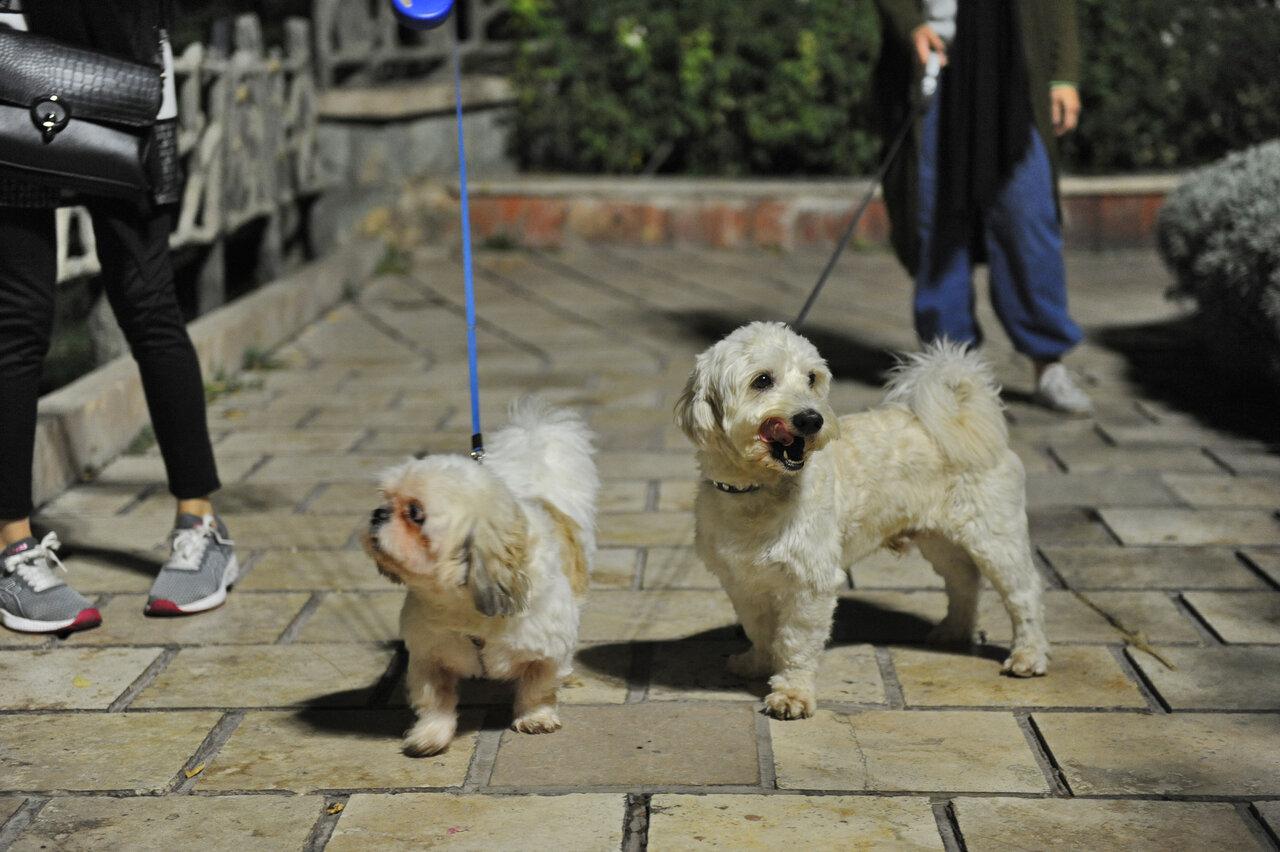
[775,429]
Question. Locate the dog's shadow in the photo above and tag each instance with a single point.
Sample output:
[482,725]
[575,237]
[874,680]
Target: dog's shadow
[697,663]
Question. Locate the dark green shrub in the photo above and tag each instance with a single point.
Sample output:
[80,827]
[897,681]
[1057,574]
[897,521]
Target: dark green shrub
[698,87]
[1219,233]
[751,87]
[1175,83]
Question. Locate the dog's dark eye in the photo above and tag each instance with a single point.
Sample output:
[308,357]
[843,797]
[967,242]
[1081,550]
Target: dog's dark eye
[764,381]
[813,379]
[415,514]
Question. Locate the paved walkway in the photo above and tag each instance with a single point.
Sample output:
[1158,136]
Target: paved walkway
[1162,511]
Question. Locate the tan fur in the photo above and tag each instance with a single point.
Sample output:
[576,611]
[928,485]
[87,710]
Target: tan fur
[575,565]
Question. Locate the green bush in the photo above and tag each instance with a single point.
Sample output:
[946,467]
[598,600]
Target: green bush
[1174,83]
[1219,233]
[698,87]
[732,87]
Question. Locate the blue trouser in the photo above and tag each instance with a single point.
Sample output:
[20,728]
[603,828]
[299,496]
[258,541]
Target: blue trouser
[1023,240]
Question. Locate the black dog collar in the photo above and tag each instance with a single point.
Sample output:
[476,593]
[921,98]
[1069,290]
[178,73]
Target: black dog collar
[733,489]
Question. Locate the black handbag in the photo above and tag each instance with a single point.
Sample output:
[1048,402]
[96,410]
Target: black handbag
[74,118]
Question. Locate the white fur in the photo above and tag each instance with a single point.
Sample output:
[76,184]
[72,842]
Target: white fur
[543,457]
[931,465]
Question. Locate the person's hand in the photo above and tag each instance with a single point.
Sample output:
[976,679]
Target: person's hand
[1066,108]
[926,41]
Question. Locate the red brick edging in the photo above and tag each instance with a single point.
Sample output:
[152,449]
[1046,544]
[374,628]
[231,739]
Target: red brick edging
[1099,213]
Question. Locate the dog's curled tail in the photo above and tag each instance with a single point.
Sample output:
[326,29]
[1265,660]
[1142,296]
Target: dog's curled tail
[547,453]
[951,390]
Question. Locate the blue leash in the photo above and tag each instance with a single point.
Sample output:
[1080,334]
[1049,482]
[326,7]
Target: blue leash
[477,440]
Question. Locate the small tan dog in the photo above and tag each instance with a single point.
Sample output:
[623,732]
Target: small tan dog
[496,558]
[792,496]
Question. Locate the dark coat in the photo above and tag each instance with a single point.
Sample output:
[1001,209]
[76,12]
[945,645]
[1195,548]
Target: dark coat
[128,29]
[1052,51]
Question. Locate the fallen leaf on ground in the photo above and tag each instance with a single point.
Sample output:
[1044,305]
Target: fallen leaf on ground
[194,771]
[335,808]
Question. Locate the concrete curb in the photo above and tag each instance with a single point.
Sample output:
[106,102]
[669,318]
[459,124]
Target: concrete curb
[86,424]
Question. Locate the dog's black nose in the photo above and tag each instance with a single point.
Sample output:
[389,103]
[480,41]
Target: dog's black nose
[807,422]
[379,516]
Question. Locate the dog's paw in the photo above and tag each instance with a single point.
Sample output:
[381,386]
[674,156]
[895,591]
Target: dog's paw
[543,720]
[1026,662]
[749,664]
[789,703]
[430,735]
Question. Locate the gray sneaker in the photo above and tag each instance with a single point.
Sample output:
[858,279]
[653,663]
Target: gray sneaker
[33,598]
[201,566]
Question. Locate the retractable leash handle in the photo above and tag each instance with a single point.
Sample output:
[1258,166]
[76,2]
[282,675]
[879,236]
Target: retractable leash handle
[427,15]
[422,14]
[928,88]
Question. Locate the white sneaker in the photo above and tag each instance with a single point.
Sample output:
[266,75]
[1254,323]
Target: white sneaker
[1056,389]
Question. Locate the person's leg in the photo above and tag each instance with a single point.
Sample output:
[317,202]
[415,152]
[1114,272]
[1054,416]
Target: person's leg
[943,303]
[133,246]
[33,597]
[1024,249]
[1029,278]
[28,267]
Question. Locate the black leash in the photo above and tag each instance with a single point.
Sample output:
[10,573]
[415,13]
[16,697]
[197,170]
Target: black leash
[928,87]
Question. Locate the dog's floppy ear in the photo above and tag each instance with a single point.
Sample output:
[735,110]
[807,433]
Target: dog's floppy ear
[696,408]
[496,554]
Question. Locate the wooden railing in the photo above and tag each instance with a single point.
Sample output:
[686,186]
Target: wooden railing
[248,117]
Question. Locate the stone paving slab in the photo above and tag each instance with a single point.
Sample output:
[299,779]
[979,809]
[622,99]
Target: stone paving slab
[411,821]
[334,675]
[1190,526]
[1225,491]
[328,570]
[1217,678]
[697,671]
[319,749]
[138,752]
[774,822]
[1159,509]
[1238,616]
[892,751]
[884,616]
[1082,677]
[634,745]
[229,823]
[657,615]
[250,619]
[615,568]
[9,806]
[1270,812]
[1267,561]
[70,678]
[280,530]
[677,568]
[356,617]
[1151,568]
[1185,754]
[1016,824]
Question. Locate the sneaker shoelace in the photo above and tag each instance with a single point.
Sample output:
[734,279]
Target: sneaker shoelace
[36,566]
[190,544]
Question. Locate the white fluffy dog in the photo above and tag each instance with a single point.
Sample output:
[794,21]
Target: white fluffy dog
[496,558]
[792,496]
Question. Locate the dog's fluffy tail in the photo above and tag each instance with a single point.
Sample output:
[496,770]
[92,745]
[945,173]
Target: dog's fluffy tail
[546,453]
[951,391]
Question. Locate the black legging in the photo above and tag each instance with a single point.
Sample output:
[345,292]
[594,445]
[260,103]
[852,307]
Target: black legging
[133,246]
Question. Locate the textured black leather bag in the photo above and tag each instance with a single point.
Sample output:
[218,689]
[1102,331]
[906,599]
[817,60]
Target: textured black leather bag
[71,117]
